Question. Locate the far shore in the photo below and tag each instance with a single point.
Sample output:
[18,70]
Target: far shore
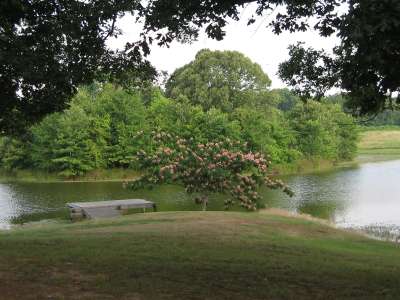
[375,145]
[119,175]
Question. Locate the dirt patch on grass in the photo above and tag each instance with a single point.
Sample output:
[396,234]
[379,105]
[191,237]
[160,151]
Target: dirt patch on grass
[286,213]
[55,283]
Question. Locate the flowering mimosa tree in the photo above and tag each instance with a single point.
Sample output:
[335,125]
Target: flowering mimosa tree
[222,166]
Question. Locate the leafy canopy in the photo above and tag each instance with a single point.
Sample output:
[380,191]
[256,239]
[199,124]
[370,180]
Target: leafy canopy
[219,79]
[365,65]
[48,48]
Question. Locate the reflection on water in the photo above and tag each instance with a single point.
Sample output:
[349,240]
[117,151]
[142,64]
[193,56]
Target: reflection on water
[364,197]
[383,231]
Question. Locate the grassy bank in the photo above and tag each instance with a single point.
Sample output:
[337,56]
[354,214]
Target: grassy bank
[299,167]
[95,175]
[304,167]
[385,141]
[196,255]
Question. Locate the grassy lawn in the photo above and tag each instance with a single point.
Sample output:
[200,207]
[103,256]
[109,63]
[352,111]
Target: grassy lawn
[196,255]
[384,142]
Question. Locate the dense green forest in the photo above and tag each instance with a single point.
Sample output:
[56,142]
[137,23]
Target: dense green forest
[221,94]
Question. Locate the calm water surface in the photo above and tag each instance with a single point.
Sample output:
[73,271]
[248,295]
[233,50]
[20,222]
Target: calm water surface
[366,197]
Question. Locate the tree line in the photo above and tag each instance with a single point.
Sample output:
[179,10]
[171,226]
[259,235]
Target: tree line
[219,95]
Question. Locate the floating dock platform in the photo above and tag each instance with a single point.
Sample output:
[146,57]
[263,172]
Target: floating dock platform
[106,209]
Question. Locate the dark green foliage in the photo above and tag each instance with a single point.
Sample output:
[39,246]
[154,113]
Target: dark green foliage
[14,154]
[48,48]
[310,72]
[365,64]
[287,100]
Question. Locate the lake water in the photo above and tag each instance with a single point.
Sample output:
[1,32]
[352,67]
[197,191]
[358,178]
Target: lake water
[366,197]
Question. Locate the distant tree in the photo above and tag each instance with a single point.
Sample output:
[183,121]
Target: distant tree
[287,100]
[222,166]
[386,117]
[219,79]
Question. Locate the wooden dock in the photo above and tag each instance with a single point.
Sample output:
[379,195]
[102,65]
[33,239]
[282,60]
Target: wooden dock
[106,209]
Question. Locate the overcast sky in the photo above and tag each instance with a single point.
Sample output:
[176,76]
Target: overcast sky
[256,41]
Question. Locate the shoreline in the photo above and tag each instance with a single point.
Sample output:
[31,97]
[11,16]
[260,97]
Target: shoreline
[301,167]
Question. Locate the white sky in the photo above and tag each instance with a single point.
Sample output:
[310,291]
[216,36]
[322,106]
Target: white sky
[256,41]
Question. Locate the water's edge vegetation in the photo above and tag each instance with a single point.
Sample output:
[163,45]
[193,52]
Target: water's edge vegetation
[379,143]
[125,174]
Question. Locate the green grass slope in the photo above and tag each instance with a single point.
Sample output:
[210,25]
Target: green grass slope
[196,255]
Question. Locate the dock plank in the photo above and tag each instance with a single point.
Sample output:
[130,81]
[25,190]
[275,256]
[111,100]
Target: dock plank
[108,208]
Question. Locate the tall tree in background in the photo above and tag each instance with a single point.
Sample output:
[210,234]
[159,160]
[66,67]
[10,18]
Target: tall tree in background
[48,48]
[219,79]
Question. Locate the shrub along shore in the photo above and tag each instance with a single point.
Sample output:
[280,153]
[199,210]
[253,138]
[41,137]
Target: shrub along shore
[219,95]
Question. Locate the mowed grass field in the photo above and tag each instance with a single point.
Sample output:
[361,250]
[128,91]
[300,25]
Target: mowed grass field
[385,141]
[196,255]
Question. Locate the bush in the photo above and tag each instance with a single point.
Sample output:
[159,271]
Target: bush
[14,154]
[70,143]
[323,131]
[222,166]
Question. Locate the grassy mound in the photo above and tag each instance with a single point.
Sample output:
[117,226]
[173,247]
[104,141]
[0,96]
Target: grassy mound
[196,255]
